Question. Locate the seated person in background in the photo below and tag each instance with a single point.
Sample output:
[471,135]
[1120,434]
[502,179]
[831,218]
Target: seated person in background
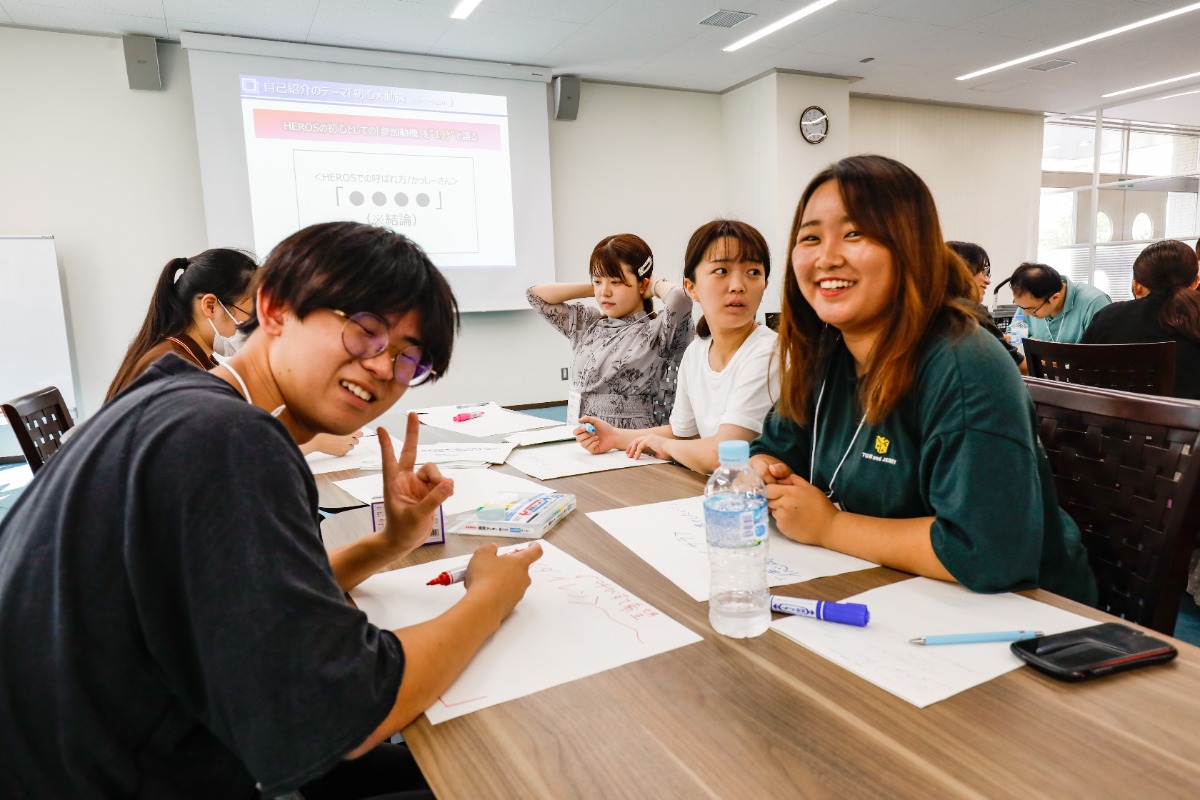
[976,259]
[170,621]
[1166,309]
[621,350]
[897,413]
[1056,309]
[726,384]
[197,306]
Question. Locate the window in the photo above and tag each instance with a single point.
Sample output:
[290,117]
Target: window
[1056,224]
[1143,227]
[1104,227]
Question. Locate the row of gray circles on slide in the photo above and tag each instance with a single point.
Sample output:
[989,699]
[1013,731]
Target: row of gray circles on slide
[379,198]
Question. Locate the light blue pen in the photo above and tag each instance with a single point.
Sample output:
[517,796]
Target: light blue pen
[590,428]
[975,638]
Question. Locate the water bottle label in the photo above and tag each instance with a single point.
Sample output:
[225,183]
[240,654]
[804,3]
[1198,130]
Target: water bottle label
[745,528]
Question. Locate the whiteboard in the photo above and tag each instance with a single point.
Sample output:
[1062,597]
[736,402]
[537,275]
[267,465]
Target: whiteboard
[33,326]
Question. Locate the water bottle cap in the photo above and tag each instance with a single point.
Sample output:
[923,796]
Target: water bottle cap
[733,451]
[1020,313]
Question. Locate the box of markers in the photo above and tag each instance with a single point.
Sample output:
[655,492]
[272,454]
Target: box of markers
[379,520]
[520,516]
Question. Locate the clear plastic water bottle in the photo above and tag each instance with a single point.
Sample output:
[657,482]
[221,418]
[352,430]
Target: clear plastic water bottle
[1018,329]
[735,522]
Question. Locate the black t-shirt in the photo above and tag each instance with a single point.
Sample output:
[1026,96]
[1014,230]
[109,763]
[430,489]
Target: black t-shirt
[169,622]
[1136,321]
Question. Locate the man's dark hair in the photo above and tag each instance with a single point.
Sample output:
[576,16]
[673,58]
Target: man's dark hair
[1036,280]
[352,267]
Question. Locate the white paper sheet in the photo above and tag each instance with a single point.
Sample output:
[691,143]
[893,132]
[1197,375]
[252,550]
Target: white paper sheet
[493,420]
[573,622]
[670,537]
[568,458]
[364,455]
[882,654]
[472,488]
[450,452]
[560,433]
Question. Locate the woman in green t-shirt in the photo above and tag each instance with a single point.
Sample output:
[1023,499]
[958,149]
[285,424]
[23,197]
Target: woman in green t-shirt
[904,434]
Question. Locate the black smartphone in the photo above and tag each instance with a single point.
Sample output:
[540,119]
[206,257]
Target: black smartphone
[1092,652]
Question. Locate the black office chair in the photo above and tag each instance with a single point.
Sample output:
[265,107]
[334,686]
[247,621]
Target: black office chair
[1127,470]
[664,399]
[1143,368]
[38,420]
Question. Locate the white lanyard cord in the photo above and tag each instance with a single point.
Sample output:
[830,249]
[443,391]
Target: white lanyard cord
[812,459]
[241,383]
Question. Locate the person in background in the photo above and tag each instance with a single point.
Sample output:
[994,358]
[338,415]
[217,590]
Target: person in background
[1165,309]
[977,261]
[195,310]
[170,621]
[726,384]
[1056,308]
[623,348]
[896,411]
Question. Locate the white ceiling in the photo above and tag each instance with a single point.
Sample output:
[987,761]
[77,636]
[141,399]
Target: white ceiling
[918,46]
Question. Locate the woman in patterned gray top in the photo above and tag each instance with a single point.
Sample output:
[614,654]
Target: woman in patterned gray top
[622,349]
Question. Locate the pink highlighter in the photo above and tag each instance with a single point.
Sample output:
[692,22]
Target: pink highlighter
[466,415]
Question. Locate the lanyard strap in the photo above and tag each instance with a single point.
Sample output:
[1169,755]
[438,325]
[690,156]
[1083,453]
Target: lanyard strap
[241,383]
[812,459]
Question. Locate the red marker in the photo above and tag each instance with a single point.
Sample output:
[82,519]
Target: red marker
[447,578]
[466,416]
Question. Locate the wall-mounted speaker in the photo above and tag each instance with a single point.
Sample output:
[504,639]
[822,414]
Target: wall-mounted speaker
[141,63]
[566,97]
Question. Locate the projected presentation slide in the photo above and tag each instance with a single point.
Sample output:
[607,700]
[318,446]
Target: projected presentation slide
[432,165]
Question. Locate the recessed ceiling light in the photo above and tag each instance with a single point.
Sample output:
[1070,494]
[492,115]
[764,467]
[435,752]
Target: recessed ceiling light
[1078,42]
[783,23]
[1152,85]
[465,8]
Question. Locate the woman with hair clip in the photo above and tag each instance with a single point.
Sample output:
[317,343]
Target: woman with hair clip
[896,411]
[622,349]
[1166,309]
[1056,308]
[197,306]
[726,384]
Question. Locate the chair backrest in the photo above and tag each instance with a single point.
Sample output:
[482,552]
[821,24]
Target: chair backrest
[38,420]
[664,399]
[1143,368]
[1127,470]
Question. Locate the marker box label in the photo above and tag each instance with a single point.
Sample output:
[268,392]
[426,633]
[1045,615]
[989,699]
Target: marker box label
[379,520]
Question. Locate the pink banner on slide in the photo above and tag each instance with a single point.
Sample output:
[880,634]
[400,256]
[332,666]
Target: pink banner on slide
[275,124]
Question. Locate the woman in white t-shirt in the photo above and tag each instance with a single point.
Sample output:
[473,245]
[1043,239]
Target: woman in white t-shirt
[726,381]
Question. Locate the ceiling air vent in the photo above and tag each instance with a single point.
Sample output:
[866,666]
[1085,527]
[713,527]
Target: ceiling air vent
[1054,63]
[726,19]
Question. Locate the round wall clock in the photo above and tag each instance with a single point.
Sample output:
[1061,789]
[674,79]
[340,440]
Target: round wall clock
[814,124]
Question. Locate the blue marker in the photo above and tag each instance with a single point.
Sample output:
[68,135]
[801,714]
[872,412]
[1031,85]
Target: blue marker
[846,613]
[590,428]
[975,638]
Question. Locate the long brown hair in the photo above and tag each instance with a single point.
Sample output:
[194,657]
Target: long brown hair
[624,248]
[751,246]
[1170,268]
[889,203]
[222,271]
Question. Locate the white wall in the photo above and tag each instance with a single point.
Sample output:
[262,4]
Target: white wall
[111,173]
[983,167]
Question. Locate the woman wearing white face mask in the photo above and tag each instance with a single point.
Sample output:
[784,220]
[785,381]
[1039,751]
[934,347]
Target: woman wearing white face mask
[194,313]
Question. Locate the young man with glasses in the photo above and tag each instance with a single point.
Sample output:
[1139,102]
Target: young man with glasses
[170,623]
[1057,309]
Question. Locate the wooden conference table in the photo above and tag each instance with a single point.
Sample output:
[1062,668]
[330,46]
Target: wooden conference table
[764,717]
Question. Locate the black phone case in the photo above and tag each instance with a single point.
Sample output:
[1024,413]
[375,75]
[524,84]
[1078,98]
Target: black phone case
[1093,652]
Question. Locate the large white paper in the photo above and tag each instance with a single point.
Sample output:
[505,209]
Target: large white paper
[573,622]
[882,654]
[472,488]
[493,420]
[364,455]
[559,433]
[559,460]
[451,452]
[670,537]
